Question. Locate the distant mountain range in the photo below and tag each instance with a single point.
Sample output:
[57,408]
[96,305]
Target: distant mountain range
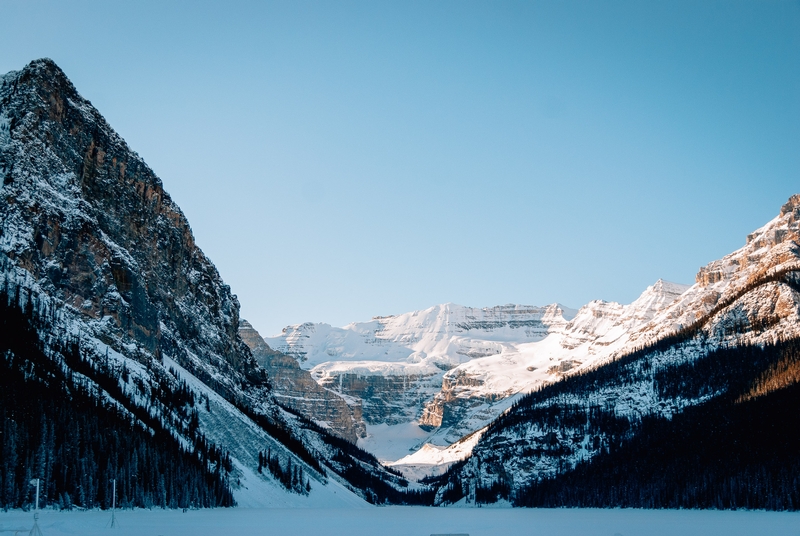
[124,358]
[451,369]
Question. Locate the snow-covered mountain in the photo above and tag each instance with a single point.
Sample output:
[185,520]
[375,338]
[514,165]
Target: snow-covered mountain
[429,379]
[127,313]
[437,375]
[717,366]
[751,278]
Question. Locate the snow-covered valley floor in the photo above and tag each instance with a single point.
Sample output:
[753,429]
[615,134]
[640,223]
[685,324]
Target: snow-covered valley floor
[408,521]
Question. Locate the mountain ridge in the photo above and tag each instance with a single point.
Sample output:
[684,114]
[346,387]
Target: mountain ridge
[470,393]
[712,348]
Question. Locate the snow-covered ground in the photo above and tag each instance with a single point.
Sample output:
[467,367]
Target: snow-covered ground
[389,442]
[432,460]
[409,521]
[227,426]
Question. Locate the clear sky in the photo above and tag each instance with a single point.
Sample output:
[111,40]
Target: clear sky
[339,160]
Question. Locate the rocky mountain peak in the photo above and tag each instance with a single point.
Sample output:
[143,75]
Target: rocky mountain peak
[792,206]
[46,69]
[784,228]
[91,224]
[667,287]
[768,248]
[750,281]
[251,337]
[48,80]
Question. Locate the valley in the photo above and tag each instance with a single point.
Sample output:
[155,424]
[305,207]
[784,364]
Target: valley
[118,331]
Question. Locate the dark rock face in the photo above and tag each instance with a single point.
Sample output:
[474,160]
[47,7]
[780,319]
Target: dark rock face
[92,224]
[260,349]
[295,388]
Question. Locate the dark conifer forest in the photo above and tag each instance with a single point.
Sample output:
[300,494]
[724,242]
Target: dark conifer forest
[718,455]
[378,483]
[291,476]
[56,430]
[739,450]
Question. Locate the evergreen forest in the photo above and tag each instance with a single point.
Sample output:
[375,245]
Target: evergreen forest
[54,429]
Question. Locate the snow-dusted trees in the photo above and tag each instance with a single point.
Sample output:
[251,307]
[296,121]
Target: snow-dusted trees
[55,429]
[290,475]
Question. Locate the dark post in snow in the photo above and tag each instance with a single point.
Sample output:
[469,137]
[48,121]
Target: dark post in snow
[35,530]
[114,504]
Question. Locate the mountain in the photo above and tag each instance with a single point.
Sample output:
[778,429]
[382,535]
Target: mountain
[295,388]
[435,376]
[124,358]
[699,414]
[433,382]
[111,308]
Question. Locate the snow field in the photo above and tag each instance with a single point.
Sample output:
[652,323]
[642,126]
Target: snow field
[410,521]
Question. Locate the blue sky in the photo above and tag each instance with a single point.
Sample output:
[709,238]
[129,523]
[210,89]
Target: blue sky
[339,160]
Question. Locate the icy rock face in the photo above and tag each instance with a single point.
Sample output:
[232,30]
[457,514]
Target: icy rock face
[295,388]
[90,221]
[396,364]
[597,330]
[386,398]
[432,337]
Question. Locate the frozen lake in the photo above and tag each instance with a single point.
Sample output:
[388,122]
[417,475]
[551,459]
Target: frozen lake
[409,521]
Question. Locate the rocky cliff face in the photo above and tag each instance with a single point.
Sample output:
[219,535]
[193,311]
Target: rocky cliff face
[474,393]
[93,226]
[743,289]
[395,365]
[385,398]
[296,389]
[260,349]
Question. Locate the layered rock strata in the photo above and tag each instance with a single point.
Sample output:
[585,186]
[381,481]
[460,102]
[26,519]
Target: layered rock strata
[296,389]
[473,393]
